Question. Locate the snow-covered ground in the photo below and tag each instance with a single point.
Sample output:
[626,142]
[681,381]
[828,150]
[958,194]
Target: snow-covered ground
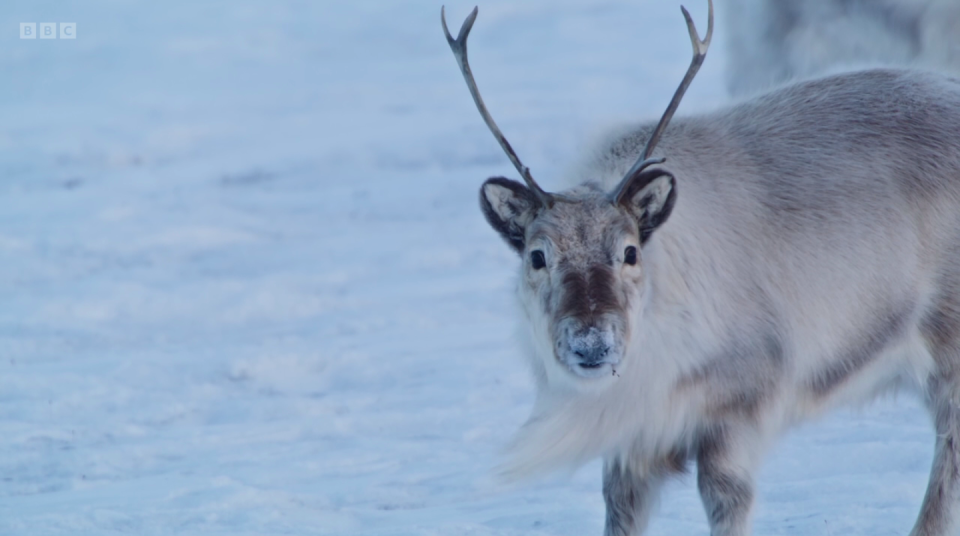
[245,287]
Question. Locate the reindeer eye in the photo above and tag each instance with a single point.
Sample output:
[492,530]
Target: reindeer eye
[537,259]
[630,255]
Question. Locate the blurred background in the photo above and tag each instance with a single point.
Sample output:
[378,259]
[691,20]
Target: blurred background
[245,287]
[775,41]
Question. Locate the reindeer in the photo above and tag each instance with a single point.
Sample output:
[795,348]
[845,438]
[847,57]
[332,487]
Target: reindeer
[800,251]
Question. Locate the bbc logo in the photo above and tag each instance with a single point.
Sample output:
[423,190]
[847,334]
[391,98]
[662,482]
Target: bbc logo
[48,30]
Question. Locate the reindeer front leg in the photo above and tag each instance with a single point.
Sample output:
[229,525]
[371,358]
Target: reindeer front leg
[726,462]
[630,498]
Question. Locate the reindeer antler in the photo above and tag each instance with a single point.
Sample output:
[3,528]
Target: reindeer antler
[699,53]
[459,48]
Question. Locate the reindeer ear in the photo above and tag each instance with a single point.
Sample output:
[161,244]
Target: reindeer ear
[509,207]
[650,196]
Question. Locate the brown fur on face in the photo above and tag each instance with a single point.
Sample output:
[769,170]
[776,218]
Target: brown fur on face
[588,295]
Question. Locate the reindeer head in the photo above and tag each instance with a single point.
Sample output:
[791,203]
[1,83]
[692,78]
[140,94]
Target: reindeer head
[582,263]
[582,250]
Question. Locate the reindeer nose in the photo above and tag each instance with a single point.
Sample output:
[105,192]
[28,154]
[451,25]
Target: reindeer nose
[590,347]
[593,356]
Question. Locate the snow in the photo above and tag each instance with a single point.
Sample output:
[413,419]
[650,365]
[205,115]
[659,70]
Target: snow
[247,289]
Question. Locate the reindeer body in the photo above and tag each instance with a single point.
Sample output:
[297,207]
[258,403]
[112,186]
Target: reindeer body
[812,259]
[794,252]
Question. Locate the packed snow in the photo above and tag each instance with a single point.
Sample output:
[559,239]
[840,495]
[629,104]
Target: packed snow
[247,288]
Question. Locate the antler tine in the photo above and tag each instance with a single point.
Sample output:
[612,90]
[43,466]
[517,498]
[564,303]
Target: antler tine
[459,48]
[699,53]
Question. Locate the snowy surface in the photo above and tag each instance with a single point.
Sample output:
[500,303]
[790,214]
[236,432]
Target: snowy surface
[246,288]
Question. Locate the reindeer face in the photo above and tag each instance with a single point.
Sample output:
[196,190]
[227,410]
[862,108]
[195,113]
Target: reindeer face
[582,274]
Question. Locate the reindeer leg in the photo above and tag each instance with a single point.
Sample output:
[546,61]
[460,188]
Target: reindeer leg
[631,497]
[941,505]
[940,512]
[726,462]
